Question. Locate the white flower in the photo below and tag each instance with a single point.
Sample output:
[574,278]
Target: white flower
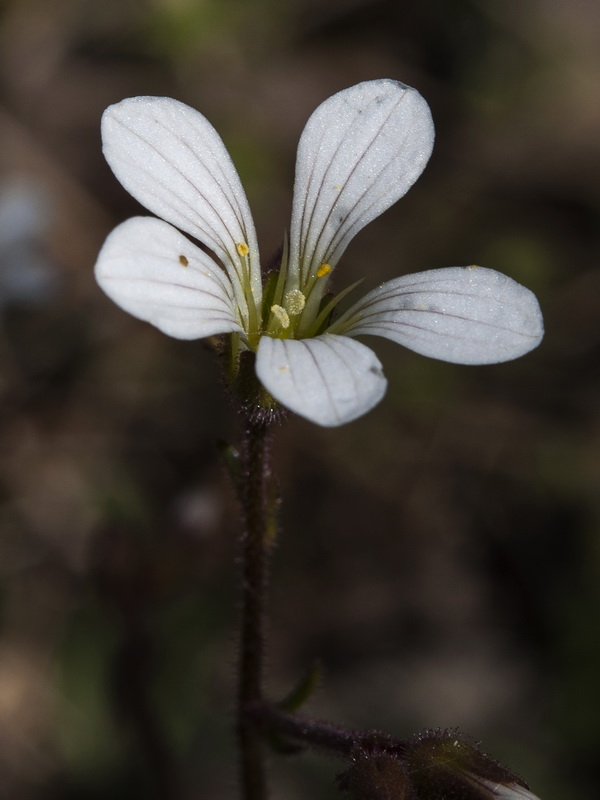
[361,150]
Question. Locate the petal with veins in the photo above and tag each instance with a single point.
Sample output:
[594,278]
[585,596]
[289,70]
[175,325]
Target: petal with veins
[508,791]
[329,380]
[466,315]
[152,271]
[360,151]
[171,159]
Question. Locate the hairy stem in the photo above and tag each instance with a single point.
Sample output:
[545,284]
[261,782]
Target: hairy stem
[322,735]
[255,545]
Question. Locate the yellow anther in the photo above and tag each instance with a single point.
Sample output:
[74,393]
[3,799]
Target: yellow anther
[183,261]
[242,248]
[323,270]
[281,316]
[294,302]
[472,266]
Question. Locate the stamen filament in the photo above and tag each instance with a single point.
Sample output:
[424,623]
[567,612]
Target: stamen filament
[283,272]
[322,272]
[313,291]
[253,319]
[328,308]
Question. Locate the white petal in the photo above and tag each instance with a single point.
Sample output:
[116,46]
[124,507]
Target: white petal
[508,792]
[329,380]
[361,150]
[171,159]
[152,271]
[466,315]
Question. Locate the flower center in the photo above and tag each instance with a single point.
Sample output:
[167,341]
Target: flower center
[292,312]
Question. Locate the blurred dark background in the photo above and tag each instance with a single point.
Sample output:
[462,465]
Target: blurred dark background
[441,556]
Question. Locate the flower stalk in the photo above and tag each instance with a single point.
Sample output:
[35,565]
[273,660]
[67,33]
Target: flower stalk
[256,543]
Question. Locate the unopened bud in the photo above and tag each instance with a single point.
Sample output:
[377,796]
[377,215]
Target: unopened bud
[379,777]
[441,765]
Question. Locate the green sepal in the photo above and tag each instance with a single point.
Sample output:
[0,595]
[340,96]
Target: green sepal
[291,703]
[304,689]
